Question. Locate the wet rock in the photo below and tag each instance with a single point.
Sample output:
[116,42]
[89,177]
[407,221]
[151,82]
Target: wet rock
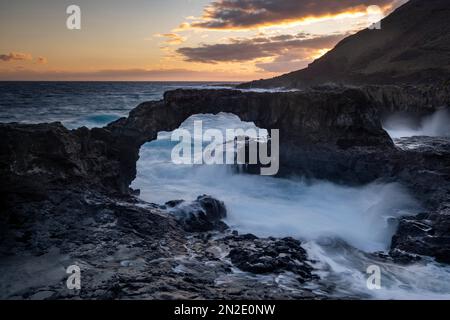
[173,203]
[425,169]
[425,234]
[264,256]
[202,215]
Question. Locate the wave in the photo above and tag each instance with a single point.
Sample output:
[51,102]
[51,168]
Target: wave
[91,121]
[435,125]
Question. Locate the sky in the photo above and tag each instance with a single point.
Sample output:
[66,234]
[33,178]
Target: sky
[174,40]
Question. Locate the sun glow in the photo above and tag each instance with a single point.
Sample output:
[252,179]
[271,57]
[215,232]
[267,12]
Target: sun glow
[201,23]
[319,53]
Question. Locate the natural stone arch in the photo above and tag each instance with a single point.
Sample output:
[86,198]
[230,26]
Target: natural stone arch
[314,127]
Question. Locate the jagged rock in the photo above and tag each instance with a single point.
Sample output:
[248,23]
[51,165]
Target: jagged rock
[263,256]
[412,100]
[125,250]
[426,171]
[35,158]
[203,214]
[425,234]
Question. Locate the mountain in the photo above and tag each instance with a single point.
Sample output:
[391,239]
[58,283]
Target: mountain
[412,47]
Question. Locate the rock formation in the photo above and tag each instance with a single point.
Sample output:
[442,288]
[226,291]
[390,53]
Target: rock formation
[313,125]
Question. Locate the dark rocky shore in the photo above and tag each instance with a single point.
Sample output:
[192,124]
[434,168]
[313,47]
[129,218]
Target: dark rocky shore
[65,196]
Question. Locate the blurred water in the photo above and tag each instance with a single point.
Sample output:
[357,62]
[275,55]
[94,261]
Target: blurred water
[434,125]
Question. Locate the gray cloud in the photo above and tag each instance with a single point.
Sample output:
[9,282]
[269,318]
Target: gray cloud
[241,14]
[294,60]
[239,50]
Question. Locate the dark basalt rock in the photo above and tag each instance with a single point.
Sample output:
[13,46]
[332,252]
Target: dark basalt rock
[426,171]
[34,158]
[426,234]
[202,215]
[264,256]
[126,250]
[418,100]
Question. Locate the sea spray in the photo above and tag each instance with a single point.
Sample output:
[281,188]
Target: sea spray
[434,125]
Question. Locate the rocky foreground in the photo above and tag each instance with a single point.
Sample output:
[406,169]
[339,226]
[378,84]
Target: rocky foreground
[65,198]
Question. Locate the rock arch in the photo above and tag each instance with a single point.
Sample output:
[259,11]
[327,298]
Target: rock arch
[319,131]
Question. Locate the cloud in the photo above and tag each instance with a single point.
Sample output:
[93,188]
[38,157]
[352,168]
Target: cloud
[293,60]
[246,14]
[249,49]
[16,56]
[172,38]
[20,56]
[41,60]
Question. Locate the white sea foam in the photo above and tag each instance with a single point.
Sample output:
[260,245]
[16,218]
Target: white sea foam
[345,268]
[435,125]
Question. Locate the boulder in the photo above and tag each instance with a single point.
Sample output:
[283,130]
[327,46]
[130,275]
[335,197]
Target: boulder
[202,215]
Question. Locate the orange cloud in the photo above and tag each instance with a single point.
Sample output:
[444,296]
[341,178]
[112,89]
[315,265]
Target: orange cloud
[16,56]
[172,38]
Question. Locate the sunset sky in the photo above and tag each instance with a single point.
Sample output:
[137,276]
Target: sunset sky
[183,40]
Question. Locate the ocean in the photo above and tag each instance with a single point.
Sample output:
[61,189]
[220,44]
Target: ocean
[340,226]
[76,104]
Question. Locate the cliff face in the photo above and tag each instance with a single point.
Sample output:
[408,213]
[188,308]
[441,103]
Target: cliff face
[415,100]
[412,47]
[38,157]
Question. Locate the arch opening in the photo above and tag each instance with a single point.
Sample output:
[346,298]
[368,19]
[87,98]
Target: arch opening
[271,206]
